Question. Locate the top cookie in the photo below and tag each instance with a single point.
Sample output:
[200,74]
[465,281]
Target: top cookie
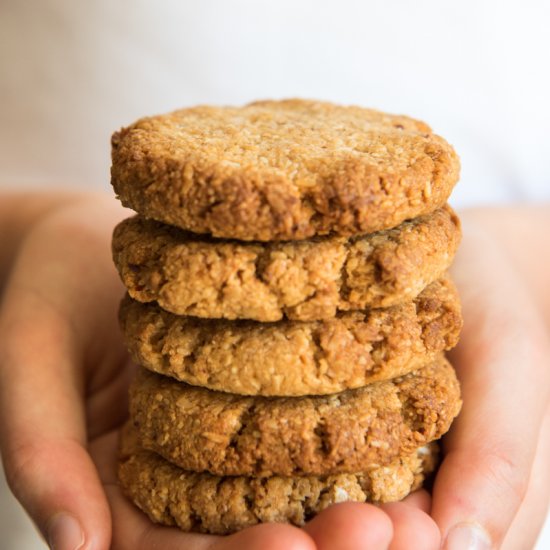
[282,170]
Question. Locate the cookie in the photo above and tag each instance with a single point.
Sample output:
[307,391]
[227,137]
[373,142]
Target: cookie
[294,357]
[226,434]
[304,280]
[281,170]
[221,505]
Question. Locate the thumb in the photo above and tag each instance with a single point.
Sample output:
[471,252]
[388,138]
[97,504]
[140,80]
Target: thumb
[42,431]
[56,483]
[51,326]
[501,362]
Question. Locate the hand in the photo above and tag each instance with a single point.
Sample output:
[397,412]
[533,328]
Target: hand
[493,484]
[63,384]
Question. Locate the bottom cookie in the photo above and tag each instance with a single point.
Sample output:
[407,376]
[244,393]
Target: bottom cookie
[220,505]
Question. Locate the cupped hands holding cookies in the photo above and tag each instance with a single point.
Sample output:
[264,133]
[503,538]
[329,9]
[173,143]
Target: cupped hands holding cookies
[64,379]
[64,371]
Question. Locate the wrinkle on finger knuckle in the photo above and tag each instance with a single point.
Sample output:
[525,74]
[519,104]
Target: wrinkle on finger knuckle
[37,465]
[508,475]
[22,463]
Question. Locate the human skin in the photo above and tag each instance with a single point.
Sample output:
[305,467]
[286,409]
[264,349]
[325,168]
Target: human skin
[64,374]
[495,469]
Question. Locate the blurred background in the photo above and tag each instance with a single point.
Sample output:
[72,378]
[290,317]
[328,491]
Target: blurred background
[73,72]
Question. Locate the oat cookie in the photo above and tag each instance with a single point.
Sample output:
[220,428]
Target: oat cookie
[188,274]
[220,505]
[356,430]
[282,170]
[294,357]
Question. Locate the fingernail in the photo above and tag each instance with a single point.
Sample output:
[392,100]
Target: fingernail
[467,536]
[65,533]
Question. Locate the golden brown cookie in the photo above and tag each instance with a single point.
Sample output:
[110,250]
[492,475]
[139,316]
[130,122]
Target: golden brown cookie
[282,170]
[294,357]
[220,505]
[356,430]
[302,280]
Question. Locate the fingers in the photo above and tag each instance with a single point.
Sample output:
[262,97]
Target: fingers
[57,484]
[530,518]
[54,301]
[420,499]
[412,524]
[501,362]
[339,527]
[349,526]
[132,530]
[269,536]
[43,436]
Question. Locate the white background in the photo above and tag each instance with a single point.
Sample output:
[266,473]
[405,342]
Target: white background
[72,72]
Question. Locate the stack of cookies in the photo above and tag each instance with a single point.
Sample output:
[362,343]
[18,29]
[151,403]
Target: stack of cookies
[289,306]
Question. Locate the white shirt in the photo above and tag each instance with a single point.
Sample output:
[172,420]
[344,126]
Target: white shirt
[477,71]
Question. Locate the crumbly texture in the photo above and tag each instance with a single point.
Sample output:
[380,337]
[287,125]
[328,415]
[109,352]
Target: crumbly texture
[356,430]
[281,170]
[294,357]
[221,505]
[304,280]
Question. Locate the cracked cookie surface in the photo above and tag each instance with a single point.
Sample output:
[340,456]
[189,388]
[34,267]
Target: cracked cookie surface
[356,430]
[294,357]
[221,505]
[188,274]
[282,170]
